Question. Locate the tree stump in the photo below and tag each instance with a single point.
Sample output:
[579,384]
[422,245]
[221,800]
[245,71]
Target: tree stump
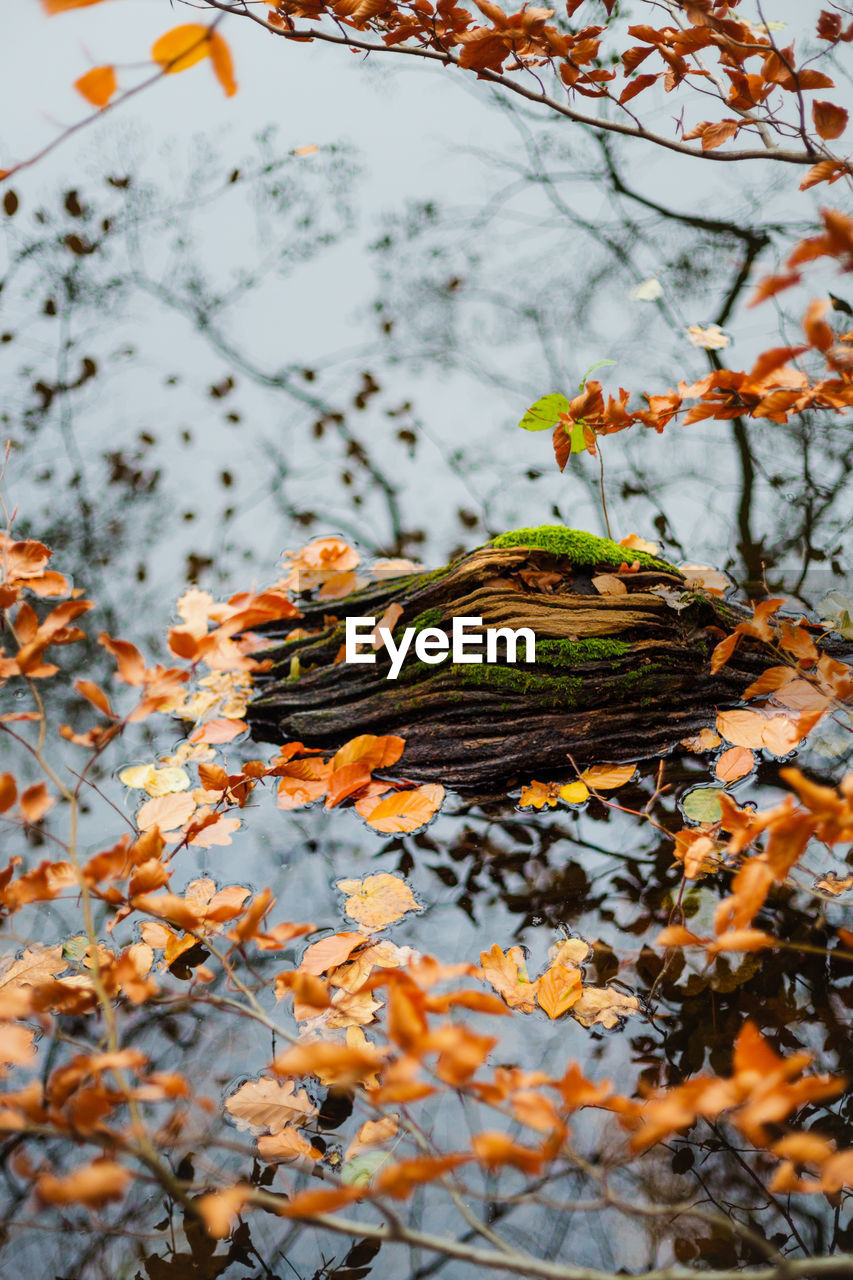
[619,675]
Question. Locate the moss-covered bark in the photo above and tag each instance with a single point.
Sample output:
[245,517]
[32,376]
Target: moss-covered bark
[617,676]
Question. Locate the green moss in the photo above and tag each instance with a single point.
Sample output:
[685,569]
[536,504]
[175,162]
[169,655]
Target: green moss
[573,653]
[578,547]
[555,690]
[429,618]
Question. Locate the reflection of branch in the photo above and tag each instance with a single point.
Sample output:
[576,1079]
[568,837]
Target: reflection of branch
[506,82]
[282,380]
[526,1264]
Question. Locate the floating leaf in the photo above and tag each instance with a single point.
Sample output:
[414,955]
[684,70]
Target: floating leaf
[607,777]
[702,804]
[605,1006]
[404,811]
[558,989]
[710,337]
[360,1171]
[266,1104]
[378,900]
[735,763]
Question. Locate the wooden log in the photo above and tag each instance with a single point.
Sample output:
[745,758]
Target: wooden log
[619,675]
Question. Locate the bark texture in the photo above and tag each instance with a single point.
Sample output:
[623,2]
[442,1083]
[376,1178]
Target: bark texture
[618,675]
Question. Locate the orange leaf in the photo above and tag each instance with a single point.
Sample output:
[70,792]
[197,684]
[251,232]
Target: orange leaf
[307,1204]
[98,85]
[724,651]
[223,66]
[182,47]
[742,940]
[131,668]
[830,120]
[375,753]
[92,1184]
[508,976]
[735,763]
[346,781]
[331,952]
[387,622]
[824,171]
[218,730]
[494,1150]
[95,695]
[401,1179]
[286,1146]
[168,813]
[61,6]
[558,989]
[607,777]
[219,1209]
[406,811]
[743,728]
[675,935]
[35,802]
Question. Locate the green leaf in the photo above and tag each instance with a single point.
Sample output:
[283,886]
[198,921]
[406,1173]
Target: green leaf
[359,1171]
[577,440]
[545,413]
[702,804]
[599,364]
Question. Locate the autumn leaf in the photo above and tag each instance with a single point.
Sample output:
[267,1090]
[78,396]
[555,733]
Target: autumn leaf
[223,66]
[219,1209]
[829,120]
[494,1150]
[603,1005]
[98,85]
[742,728]
[181,47]
[373,752]
[735,763]
[403,812]
[286,1147]
[218,730]
[330,952]
[558,989]
[507,973]
[267,1105]
[378,900]
[168,813]
[607,777]
[93,1184]
[372,1134]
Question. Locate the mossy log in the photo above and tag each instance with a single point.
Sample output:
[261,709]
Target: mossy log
[617,677]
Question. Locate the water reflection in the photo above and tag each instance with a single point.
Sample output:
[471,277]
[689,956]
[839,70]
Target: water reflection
[161,434]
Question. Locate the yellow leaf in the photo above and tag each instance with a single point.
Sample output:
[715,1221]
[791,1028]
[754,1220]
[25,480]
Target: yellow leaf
[378,900]
[607,777]
[163,782]
[98,85]
[182,47]
[309,150]
[137,776]
[574,792]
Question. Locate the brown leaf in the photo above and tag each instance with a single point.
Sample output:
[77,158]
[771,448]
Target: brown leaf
[608,584]
[267,1105]
[603,1005]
